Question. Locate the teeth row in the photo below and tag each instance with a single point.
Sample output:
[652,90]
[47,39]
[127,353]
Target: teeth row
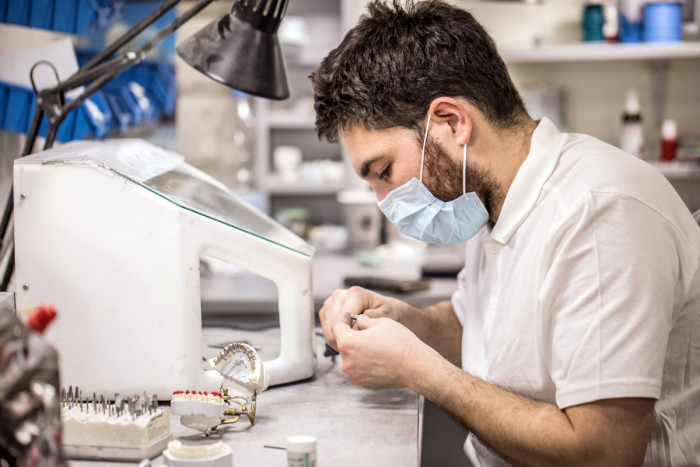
[197,396]
[189,451]
[238,347]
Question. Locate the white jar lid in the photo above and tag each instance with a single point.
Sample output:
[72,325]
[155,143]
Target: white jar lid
[301,443]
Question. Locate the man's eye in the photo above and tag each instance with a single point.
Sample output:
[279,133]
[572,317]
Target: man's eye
[386,173]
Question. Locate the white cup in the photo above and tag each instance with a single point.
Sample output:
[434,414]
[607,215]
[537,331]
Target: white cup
[287,160]
[362,218]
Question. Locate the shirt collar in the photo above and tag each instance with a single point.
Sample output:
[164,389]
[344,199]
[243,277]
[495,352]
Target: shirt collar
[545,147]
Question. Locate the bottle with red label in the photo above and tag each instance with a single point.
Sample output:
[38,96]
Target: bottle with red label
[669,140]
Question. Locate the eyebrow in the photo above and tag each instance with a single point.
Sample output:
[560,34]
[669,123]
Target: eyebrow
[364,168]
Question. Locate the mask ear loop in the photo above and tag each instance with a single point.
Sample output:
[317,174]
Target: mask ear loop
[464,171]
[422,155]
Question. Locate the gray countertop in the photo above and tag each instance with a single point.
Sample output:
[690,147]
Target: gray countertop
[354,426]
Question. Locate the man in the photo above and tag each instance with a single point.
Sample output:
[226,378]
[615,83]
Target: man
[576,321]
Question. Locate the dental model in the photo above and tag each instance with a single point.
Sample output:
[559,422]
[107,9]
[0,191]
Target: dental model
[215,454]
[244,378]
[198,403]
[242,367]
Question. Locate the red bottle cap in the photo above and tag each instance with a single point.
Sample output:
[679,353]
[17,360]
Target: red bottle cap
[41,317]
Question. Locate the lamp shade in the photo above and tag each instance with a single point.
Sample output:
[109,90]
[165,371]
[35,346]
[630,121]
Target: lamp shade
[241,49]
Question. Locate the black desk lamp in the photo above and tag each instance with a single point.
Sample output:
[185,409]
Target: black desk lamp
[240,50]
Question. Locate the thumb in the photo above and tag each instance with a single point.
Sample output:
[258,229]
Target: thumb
[365,322]
[372,313]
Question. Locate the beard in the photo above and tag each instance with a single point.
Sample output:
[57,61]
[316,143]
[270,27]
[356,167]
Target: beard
[443,177]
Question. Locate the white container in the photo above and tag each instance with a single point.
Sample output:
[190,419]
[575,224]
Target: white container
[632,131]
[362,218]
[301,451]
[287,160]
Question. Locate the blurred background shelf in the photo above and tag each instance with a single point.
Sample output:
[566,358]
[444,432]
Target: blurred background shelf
[311,29]
[305,189]
[582,52]
[291,119]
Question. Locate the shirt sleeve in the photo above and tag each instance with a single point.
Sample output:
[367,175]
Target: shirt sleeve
[607,300]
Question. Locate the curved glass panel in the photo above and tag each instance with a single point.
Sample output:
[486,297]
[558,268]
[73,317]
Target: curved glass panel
[166,174]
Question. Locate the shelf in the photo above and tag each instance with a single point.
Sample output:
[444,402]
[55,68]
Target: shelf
[583,52]
[304,189]
[678,169]
[290,120]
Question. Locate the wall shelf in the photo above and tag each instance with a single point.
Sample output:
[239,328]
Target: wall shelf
[306,189]
[659,56]
[678,169]
[583,52]
[291,120]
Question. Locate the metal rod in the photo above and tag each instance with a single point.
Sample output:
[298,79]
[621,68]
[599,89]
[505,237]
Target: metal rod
[173,26]
[9,269]
[28,145]
[130,34]
[52,132]
[7,215]
[33,129]
[98,83]
[81,78]
[97,76]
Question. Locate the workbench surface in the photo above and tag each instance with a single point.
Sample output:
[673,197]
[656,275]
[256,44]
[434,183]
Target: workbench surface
[354,426]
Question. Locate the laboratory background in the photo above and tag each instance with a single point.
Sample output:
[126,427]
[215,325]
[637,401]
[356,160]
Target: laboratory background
[624,71]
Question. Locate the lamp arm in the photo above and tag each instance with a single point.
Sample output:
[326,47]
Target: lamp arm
[98,74]
[173,26]
[51,102]
[134,31]
[95,68]
[108,72]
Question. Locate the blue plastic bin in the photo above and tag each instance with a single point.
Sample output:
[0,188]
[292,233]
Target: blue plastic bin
[128,108]
[18,109]
[3,11]
[41,14]
[91,120]
[70,16]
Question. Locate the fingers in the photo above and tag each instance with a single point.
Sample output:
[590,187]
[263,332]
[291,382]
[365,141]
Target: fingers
[342,327]
[364,322]
[341,306]
[338,308]
[329,315]
[373,313]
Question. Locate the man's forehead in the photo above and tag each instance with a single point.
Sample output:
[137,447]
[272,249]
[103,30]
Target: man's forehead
[369,147]
[360,136]
[365,146]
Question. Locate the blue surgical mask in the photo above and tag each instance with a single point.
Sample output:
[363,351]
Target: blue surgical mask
[416,212]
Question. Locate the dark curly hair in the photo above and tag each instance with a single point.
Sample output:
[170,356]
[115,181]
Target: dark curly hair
[397,59]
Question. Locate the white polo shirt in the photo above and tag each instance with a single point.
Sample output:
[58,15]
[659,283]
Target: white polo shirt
[587,288]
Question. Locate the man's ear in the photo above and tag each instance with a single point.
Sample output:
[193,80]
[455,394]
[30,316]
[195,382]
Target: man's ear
[454,117]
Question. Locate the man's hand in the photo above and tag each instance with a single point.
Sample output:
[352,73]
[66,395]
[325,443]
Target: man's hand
[378,352]
[356,301]
[436,325]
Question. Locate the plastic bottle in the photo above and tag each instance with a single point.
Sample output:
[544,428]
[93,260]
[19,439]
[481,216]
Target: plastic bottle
[669,140]
[611,21]
[631,20]
[632,135]
[301,451]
